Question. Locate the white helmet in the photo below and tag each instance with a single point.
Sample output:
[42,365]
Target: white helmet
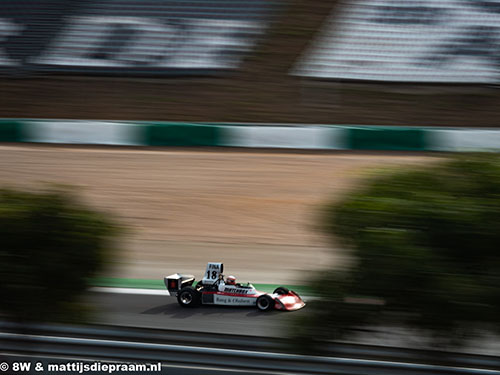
[231,280]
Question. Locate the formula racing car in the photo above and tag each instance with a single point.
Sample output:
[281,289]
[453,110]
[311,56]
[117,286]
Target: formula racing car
[214,290]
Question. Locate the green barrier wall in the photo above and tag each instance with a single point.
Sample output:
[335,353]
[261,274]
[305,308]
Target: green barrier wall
[386,138]
[10,131]
[181,134]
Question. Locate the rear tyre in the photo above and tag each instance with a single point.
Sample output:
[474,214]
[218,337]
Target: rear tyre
[189,297]
[281,290]
[265,303]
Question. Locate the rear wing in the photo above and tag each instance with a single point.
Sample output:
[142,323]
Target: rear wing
[176,282]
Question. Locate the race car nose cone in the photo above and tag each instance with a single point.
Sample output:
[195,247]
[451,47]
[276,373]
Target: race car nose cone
[291,301]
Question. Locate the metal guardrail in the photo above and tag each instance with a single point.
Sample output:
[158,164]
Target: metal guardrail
[247,353]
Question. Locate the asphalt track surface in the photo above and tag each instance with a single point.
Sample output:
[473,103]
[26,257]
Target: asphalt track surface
[156,311]
[151,311]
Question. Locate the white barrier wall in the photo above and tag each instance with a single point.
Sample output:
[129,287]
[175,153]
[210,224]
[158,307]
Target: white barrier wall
[83,132]
[464,140]
[450,41]
[284,137]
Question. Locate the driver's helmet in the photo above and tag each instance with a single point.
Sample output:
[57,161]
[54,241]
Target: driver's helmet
[231,280]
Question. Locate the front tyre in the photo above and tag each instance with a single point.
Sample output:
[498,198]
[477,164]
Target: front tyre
[189,297]
[265,303]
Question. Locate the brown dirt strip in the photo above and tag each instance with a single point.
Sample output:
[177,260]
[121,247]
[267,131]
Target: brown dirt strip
[255,211]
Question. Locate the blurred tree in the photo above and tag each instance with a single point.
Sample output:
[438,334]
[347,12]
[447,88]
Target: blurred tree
[50,245]
[426,253]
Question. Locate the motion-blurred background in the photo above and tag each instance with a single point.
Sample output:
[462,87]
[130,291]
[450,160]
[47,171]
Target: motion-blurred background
[350,62]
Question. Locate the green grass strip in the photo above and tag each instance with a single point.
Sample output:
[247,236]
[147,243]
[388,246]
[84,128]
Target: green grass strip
[113,282]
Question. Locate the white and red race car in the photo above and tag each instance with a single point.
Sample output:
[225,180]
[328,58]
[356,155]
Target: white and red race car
[213,290]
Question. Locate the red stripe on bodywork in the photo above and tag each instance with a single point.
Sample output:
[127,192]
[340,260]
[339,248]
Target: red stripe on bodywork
[234,294]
